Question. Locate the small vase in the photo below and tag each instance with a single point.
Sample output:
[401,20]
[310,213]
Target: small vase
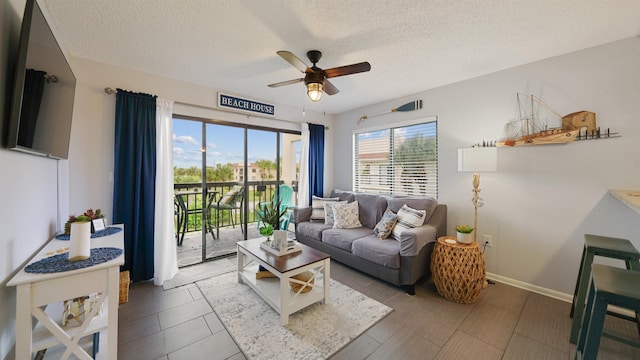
[80,241]
[465,238]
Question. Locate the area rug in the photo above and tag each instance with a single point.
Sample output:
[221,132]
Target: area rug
[315,332]
[191,274]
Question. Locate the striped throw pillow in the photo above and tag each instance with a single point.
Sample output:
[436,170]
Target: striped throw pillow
[408,218]
[317,207]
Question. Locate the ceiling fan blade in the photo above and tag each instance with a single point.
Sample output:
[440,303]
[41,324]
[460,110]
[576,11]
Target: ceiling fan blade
[347,69]
[329,88]
[293,60]
[288,82]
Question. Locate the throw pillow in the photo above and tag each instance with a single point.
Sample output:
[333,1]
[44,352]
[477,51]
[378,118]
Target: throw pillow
[408,218]
[385,225]
[347,216]
[329,207]
[317,207]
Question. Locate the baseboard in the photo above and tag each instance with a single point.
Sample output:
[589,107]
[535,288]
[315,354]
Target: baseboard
[548,292]
[530,287]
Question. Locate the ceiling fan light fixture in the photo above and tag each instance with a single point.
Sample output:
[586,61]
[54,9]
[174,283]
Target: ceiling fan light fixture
[316,79]
[314,91]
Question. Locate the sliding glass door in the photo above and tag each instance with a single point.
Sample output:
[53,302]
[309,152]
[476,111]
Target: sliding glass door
[222,172]
[188,193]
[224,162]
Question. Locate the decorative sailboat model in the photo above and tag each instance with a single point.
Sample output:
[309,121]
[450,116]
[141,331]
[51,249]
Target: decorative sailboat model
[534,125]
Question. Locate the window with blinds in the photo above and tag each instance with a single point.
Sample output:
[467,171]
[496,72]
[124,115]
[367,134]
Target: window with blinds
[400,160]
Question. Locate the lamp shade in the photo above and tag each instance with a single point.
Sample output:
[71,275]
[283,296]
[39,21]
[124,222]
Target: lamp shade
[478,159]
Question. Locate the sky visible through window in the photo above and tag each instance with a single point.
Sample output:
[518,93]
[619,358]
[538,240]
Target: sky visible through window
[225,144]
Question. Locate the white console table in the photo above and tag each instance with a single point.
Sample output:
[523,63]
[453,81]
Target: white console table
[35,291]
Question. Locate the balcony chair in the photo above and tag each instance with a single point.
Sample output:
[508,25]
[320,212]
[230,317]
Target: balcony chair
[181,214]
[285,193]
[230,202]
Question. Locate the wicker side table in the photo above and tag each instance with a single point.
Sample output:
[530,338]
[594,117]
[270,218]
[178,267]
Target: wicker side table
[458,270]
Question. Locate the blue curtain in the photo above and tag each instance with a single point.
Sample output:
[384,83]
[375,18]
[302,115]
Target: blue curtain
[316,160]
[134,179]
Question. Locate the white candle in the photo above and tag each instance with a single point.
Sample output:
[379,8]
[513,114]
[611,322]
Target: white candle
[280,237]
[80,242]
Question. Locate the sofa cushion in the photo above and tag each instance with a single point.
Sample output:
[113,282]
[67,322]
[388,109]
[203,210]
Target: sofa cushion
[372,206]
[408,218]
[385,225]
[346,216]
[343,195]
[329,207]
[383,252]
[342,238]
[312,230]
[317,205]
[418,203]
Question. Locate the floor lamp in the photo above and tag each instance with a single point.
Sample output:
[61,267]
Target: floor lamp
[477,159]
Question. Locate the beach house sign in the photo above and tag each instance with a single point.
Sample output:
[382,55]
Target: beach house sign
[237,103]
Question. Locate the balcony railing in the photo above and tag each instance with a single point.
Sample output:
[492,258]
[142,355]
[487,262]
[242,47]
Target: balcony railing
[196,200]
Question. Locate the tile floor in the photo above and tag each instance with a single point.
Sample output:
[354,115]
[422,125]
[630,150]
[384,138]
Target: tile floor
[505,323]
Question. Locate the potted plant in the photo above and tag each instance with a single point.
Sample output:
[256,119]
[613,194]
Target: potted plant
[270,214]
[87,216]
[266,230]
[465,234]
[72,219]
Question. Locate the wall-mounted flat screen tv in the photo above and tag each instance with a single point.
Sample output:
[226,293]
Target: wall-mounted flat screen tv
[44,89]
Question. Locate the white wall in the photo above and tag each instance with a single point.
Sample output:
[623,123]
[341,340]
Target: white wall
[542,199]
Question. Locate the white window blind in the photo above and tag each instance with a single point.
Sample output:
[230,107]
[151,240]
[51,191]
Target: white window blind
[399,160]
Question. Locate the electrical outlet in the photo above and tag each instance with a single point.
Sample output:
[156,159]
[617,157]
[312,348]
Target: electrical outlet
[488,240]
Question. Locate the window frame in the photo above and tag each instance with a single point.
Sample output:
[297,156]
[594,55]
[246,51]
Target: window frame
[392,183]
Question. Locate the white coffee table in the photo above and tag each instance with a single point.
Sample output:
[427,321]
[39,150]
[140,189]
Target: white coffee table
[276,291]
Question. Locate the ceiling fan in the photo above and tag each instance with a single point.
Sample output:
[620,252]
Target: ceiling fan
[316,78]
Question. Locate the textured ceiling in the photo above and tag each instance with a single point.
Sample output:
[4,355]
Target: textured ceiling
[412,45]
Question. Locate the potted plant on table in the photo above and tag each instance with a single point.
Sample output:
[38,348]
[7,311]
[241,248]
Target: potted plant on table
[270,213]
[266,230]
[88,215]
[465,234]
[73,219]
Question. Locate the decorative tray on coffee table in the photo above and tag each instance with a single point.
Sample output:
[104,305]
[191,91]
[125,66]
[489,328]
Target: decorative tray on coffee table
[292,247]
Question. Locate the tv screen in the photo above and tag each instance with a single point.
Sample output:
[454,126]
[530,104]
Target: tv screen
[42,105]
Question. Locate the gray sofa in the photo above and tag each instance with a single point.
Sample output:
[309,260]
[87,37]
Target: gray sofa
[401,263]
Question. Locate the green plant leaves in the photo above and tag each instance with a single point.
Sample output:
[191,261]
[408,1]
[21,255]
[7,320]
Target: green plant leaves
[465,229]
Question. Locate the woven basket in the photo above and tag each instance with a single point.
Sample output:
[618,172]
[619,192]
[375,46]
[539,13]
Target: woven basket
[123,294]
[305,276]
